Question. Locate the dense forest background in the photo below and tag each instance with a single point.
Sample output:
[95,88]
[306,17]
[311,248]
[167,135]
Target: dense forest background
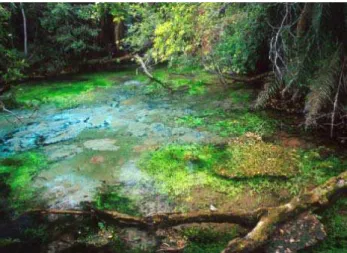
[296,51]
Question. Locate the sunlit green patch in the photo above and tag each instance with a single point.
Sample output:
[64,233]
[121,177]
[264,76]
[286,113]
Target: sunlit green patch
[193,81]
[232,124]
[251,157]
[113,198]
[314,169]
[63,94]
[177,169]
[18,171]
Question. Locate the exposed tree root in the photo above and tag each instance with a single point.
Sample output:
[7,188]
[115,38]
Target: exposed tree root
[252,79]
[264,220]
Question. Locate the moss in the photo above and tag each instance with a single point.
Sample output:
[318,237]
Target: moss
[177,169]
[63,94]
[250,157]
[194,80]
[113,199]
[241,96]
[19,170]
[236,123]
[207,239]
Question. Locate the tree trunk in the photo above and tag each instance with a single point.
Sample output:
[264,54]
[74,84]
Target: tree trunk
[304,20]
[24,30]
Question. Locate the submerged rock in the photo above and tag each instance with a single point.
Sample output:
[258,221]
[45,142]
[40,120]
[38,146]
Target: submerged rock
[301,233]
[58,152]
[101,145]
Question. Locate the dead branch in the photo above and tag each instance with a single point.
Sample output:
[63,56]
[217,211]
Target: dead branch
[3,108]
[108,60]
[148,74]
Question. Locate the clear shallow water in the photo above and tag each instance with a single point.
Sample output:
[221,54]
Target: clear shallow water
[91,147]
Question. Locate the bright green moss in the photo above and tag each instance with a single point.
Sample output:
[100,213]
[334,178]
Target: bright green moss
[193,80]
[233,124]
[18,171]
[177,169]
[63,94]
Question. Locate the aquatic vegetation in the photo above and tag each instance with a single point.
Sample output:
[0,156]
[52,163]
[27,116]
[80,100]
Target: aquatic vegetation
[177,169]
[63,94]
[231,124]
[250,157]
[113,199]
[241,96]
[19,170]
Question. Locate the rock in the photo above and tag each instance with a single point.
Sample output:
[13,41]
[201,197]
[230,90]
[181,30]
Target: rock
[298,234]
[132,83]
[101,145]
[67,191]
[59,152]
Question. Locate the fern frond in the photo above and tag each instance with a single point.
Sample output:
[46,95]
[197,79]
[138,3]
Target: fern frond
[322,87]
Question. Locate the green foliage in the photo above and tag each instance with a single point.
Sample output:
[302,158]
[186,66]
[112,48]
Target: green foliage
[19,170]
[71,30]
[11,62]
[243,38]
[8,241]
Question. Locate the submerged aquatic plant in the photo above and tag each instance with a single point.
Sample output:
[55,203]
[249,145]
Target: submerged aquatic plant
[18,172]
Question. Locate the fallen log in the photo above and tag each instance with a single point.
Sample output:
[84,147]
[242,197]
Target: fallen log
[264,220]
[165,220]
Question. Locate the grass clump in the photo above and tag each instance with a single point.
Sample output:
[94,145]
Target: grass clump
[18,172]
[251,157]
